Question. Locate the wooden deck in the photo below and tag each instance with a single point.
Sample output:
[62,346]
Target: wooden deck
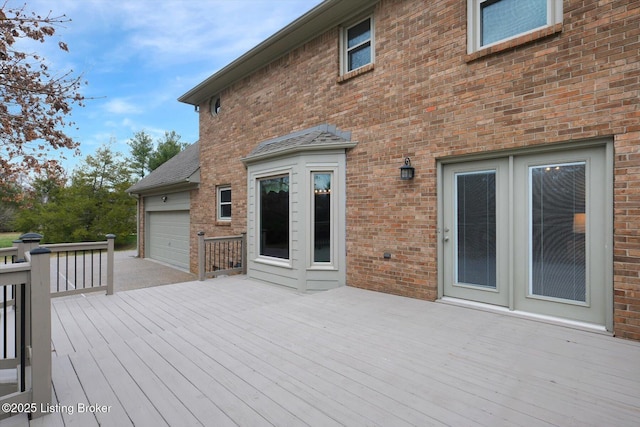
[232,351]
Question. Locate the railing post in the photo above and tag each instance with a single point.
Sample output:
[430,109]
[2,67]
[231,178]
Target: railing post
[29,241]
[110,248]
[40,330]
[19,250]
[244,252]
[201,255]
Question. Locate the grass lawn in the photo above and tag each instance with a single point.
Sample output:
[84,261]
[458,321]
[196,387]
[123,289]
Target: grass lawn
[6,239]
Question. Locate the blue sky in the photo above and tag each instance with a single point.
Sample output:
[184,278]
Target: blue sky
[139,56]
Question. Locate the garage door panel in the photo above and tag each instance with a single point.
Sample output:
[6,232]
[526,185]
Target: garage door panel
[169,237]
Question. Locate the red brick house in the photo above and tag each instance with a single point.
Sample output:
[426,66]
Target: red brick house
[522,126]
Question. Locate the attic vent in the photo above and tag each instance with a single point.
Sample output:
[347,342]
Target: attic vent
[214,106]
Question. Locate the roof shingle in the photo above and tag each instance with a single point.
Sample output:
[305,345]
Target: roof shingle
[323,136]
[176,170]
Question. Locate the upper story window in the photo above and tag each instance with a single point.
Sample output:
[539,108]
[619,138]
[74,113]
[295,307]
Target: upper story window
[224,203]
[357,45]
[494,21]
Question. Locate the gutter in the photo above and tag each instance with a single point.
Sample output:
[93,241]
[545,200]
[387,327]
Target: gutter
[326,15]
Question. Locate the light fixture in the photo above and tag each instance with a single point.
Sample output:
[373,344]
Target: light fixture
[579,223]
[406,170]
[164,199]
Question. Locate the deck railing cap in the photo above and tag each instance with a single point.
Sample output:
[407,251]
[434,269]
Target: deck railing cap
[39,251]
[30,237]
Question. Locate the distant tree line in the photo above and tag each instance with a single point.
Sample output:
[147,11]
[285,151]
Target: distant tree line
[92,201]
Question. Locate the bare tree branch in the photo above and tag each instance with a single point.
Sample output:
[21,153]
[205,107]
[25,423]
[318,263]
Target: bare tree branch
[34,102]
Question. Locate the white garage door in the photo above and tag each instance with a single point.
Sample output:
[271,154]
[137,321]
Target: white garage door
[169,237]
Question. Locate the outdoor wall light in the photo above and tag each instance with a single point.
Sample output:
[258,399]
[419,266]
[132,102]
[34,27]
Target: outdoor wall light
[406,170]
[164,199]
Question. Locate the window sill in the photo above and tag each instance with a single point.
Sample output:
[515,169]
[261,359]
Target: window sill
[274,262]
[223,222]
[319,267]
[516,41]
[355,73]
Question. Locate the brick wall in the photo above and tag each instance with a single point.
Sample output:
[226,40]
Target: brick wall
[626,253]
[426,98]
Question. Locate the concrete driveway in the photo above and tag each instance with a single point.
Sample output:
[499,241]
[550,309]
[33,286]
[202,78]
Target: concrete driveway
[131,272]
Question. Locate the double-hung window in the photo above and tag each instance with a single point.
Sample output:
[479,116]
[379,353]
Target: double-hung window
[357,45]
[493,21]
[224,203]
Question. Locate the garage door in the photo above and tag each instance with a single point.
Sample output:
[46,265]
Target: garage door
[169,237]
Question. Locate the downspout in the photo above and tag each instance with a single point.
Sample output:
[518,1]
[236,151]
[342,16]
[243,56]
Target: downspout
[137,197]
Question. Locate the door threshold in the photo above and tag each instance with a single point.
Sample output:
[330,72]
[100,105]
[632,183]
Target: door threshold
[574,324]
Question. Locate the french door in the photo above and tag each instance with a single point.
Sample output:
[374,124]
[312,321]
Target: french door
[475,231]
[528,232]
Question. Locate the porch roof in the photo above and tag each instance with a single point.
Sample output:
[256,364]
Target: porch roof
[323,137]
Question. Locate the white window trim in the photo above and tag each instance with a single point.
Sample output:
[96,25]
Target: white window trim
[220,203]
[264,259]
[554,16]
[344,58]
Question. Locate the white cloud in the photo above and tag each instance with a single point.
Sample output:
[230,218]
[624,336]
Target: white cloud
[174,31]
[139,56]
[122,106]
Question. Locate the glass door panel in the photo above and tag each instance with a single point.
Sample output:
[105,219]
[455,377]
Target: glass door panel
[476,228]
[557,226]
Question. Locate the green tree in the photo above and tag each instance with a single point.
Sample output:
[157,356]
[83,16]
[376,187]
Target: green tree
[42,198]
[10,200]
[141,150]
[168,146]
[92,205]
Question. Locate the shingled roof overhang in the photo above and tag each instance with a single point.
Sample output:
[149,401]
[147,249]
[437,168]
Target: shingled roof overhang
[326,15]
[318,138]
[181,172]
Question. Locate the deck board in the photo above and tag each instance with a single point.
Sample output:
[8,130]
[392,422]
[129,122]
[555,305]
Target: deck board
[179,356]
[263,404]
[232,351]
[70,393]
[98,390]
[163,398]
[399,379]
[136,404]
